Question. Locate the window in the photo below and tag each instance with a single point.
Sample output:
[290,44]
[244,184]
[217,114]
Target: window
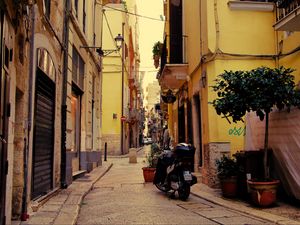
[75,114]
[76,7]
[47,5]
[77,69]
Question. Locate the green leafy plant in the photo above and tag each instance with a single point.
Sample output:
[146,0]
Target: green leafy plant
[153,155]
[157,48]
[226,167]
[257,90]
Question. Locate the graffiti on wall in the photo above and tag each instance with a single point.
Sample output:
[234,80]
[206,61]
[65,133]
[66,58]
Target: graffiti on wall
[237,131]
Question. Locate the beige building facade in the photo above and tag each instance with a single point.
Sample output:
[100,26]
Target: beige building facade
[50,99]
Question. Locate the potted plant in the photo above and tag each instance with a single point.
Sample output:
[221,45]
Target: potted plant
[227,171]
[257,90]
[151,160]
[156,51]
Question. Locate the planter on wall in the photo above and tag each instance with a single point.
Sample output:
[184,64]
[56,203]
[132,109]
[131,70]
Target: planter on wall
[148,173]
[263,193]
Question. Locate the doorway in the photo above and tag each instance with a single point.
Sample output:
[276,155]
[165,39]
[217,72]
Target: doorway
[198,127]
[76,118]
[4,114]
[181,124]
[43,140]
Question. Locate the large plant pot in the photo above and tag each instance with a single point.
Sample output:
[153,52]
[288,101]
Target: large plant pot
[229,187]
[148,173]
[263,193]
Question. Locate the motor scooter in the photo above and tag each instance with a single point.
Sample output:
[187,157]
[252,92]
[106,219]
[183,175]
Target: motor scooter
[174,170]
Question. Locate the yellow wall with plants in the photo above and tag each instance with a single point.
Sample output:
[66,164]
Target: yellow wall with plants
[254,38]
[219,129]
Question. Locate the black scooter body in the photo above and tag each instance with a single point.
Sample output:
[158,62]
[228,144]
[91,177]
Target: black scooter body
[173,170]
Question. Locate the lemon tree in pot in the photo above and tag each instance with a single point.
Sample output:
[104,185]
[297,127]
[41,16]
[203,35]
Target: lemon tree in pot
[258,90]
[227,171]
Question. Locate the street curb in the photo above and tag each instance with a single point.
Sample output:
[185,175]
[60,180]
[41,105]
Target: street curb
[63,213]
[244,209]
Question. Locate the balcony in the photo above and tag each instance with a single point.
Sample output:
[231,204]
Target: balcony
[104,2]
[134,116]
[173,69]
[288,15]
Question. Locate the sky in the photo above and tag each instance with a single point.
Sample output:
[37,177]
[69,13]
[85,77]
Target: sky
[151,31]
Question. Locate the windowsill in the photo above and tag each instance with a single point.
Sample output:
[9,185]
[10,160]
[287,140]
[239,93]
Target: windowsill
[251,6]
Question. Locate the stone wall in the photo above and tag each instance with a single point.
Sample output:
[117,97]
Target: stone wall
[113,143]
[213,151]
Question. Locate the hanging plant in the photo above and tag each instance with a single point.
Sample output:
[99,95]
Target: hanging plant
[156,51]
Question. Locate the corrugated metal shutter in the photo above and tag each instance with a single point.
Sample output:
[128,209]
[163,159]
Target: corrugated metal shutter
[43,135]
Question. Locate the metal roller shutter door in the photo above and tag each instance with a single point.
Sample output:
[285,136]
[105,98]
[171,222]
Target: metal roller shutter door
[43,135]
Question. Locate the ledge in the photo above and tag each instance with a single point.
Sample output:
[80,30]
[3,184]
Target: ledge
[251,6]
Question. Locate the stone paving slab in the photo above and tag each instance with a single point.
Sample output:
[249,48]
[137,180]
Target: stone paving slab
[238,206]
[238,220]
[63,208]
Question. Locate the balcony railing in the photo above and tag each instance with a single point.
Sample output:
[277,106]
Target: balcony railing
[286,7]
[177,54]
[134,115]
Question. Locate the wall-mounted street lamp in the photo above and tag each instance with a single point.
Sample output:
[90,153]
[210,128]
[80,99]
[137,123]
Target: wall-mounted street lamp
[119,41]
[169,97]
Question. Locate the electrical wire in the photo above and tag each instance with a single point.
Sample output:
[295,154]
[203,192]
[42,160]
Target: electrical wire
[111,34]
[130,13]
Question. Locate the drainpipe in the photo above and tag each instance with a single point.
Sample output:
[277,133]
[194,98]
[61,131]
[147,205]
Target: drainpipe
[63,180]
[2,211]
[122,89]
[24,214]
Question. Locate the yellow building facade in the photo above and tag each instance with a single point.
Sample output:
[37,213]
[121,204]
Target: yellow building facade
[120,74]
[202,39]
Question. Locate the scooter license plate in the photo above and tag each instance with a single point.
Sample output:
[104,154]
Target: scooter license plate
[187,175]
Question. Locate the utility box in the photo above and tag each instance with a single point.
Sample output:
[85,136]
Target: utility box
[132,155]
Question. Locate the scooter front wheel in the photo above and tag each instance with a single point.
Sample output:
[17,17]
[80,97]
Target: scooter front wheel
[184,192]
[160,186]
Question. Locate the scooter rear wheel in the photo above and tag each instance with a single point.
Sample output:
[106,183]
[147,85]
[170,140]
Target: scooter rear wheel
[184,192]
[161,187]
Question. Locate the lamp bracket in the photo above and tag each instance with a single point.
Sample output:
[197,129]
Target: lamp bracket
[101,51]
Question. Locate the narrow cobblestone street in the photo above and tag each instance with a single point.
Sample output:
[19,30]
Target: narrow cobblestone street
[122,197]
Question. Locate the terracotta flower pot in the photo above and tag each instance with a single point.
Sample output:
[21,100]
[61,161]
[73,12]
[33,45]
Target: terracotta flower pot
[263,193]
[229,187]
[148,173]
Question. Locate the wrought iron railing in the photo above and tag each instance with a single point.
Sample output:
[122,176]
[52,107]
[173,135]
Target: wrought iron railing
[285,7]
[177,54]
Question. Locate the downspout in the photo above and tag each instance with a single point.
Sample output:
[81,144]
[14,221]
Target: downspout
[63,180]
[122,89]
[2,212]
[24,214]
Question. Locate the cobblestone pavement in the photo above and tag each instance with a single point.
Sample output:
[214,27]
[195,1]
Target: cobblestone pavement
[122,197]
